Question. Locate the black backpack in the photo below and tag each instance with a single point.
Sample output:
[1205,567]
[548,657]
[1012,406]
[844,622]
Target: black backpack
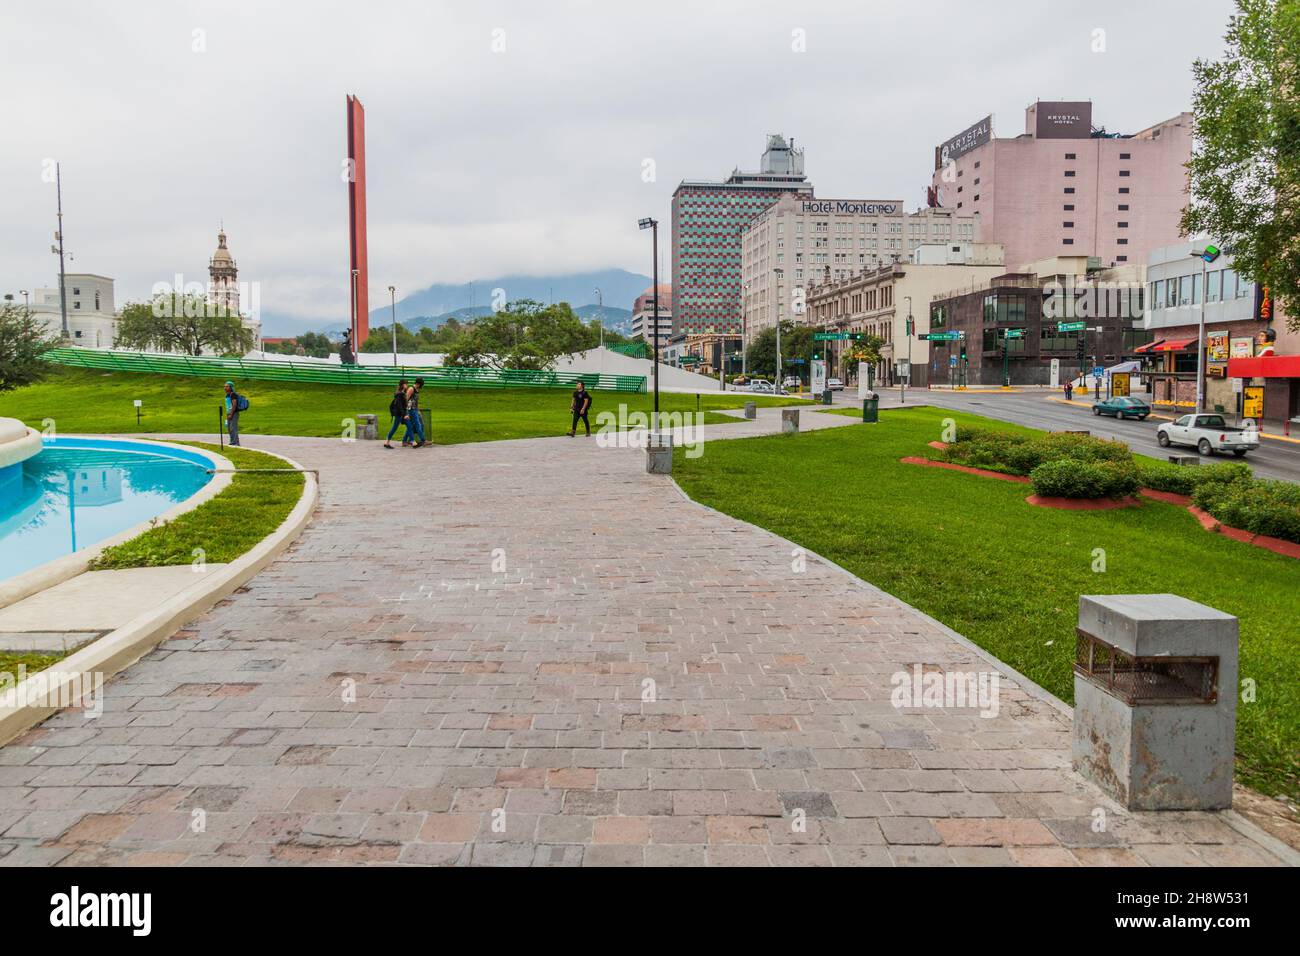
[397,407]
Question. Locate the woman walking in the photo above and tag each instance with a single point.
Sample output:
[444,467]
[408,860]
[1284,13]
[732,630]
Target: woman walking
[396,408]
[414,421]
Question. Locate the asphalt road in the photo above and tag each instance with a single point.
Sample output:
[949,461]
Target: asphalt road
[1273,459]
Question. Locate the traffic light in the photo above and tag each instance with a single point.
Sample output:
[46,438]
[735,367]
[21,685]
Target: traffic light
[963,351]
[817,356]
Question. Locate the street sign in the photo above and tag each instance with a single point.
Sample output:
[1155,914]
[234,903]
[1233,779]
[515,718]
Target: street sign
[1070,326]
[1015,333]
[690,360]
[940,336]
[952,361]
[797,361]
[1098,371]
[830,336]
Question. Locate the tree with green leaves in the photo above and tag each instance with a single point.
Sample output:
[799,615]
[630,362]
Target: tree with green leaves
[182,323]
[23,340]
[522,335]
[1245,166]
[863,350]
[796,343]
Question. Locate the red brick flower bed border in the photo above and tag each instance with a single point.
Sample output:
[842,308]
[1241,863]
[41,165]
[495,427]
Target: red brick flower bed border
[1288,549]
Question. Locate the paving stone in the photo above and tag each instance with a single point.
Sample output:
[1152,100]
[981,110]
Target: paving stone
[481,690]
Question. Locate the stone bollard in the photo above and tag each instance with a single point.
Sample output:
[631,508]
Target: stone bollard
[789,420]
[751,410]
[367,427]
[659,453]
[1155,701]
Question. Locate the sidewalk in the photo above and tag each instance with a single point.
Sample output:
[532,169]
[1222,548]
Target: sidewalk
[550,657]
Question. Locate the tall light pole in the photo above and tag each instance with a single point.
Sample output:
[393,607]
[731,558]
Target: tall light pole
[653,226]
[26,303]
[392,299]
[63,285]
[600,318]
[776,310]
[1206,255]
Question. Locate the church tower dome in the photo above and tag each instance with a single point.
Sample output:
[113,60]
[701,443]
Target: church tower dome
[223,275]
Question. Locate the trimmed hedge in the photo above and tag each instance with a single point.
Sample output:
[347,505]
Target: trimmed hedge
[1018,454]
[1259,506]
[1163,476]
[1072,478]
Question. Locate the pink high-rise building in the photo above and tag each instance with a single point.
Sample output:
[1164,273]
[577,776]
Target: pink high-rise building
[1067,188]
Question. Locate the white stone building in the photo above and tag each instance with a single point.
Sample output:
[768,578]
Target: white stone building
[92,320]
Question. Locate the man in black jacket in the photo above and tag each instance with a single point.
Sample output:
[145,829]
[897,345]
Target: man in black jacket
[581,403]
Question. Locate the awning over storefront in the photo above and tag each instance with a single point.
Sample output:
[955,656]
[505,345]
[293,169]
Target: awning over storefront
[1149,346]
[1265,366]
[1173,345]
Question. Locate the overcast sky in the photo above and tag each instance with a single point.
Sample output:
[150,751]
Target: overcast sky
[485,161]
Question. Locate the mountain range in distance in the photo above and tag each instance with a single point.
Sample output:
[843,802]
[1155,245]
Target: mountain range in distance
[432,306]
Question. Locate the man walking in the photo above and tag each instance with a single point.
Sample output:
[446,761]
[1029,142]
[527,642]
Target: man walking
[235,403]
[580,405]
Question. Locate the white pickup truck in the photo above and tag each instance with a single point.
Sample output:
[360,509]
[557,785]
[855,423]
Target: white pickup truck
[1208,434]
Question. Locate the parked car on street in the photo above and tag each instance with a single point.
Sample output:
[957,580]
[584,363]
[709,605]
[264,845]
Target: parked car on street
[791,381]
[1208,434]
[1122,406]
[834,385]
[761,385]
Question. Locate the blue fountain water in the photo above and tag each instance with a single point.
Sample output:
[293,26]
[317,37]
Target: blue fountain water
[80,491]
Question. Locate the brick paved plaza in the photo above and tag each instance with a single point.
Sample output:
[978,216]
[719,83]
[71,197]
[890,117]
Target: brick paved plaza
[449,667]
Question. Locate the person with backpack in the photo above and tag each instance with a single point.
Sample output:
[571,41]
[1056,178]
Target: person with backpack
[397,408]
[414,420]
[580,405]
[235,403]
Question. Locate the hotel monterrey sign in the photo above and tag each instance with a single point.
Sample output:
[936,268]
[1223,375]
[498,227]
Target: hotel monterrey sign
[845,207]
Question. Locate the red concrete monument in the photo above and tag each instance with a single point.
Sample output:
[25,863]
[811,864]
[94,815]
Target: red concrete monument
[358,274]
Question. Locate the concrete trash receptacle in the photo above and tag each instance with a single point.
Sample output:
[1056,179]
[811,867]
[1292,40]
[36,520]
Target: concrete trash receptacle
[1155,701]
[367,427]
[789,420]
[751,410]
[659,453]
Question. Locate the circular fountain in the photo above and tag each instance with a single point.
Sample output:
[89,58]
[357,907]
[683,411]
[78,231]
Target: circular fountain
[17,444]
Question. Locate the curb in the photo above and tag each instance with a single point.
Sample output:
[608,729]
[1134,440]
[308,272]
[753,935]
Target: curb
[69,566]
[121,648]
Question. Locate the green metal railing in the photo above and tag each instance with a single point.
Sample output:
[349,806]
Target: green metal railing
[632,349]
[152,363]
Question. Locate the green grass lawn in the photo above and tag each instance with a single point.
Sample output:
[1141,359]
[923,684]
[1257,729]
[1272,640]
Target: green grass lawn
[971,553]
[88,401]
[224,526]
[10,661]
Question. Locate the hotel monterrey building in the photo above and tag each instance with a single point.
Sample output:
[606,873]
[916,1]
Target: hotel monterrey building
[800,242]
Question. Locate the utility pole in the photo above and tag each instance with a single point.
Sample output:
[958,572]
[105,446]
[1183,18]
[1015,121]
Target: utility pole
[907,379]
[63,286]
[600,318]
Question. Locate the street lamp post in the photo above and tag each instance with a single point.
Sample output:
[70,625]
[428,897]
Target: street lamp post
[63,289]
[26,304]
[392,299]
[1206,255]
[600,318]
[653,226]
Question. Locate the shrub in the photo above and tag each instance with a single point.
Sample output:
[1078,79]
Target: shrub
[1021,454]
[1258,506]
[1163,476]
[1072,478]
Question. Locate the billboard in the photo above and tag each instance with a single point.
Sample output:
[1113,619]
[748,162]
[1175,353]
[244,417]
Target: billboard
[1062,119]
[972,136]
[358,267]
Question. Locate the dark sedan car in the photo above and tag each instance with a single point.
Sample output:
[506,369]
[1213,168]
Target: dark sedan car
[1122,407]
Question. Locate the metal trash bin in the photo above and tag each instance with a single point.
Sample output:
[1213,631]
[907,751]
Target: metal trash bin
[871,409]
[659,453]
[751,410]
[789,420]
[827,397]
[1155,701]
